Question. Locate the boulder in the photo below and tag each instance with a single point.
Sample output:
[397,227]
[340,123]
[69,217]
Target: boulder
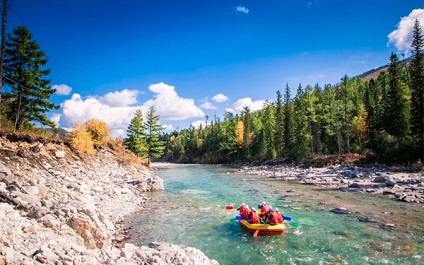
[6,175]
[379,179]
[340,210]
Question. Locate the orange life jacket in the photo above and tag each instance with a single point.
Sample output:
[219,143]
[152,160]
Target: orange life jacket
[273,218]
[254,217]
[279,218]
[264,209]
[245,213]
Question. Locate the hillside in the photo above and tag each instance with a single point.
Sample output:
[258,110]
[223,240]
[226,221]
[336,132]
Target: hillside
[57,208]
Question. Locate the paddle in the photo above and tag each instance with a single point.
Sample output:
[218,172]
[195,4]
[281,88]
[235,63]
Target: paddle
[229,207]
[294,224]
[255,234]
[232,220]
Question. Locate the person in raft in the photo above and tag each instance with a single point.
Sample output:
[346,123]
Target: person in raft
[280,216]
[271,217]
[253,217]
[264,209]
[244,211]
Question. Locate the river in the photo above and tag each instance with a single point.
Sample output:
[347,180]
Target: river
[192,213]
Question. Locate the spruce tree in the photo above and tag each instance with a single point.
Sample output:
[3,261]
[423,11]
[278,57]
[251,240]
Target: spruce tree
[288,124]
[417,87]
[28,100]
[279,125]
[155,146]
[136,135]
[397,113]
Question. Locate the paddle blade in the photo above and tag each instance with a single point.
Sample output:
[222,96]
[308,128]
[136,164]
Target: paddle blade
[232,220]
[229,207]
[256,233]
[239,217]
[294,224]
[287,218]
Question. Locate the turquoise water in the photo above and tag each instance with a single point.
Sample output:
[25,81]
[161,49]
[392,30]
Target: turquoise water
[192,213]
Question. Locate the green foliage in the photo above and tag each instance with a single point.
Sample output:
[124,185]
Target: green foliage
[136,136]
[380,116]
[155,147]
[28,100]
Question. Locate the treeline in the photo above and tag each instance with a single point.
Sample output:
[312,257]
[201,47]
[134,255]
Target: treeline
[383,117]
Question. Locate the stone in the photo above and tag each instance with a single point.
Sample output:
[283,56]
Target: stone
[60,154]
[379,179]
[6,175]
[340,210]
[42,190]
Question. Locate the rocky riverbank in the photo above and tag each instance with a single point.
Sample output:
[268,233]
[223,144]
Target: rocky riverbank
[396,182]
[56,208]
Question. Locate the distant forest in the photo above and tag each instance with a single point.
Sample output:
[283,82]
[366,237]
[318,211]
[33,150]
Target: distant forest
[381,117]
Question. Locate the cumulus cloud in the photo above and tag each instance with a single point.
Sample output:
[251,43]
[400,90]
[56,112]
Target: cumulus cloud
[402,36]
[120,98]
[242,9]
[170,106]
[197,124]
[116,111]
[207,105]
[62,89]
[243,102]
[167,127]
[219,98]
[55,118]
[77,110]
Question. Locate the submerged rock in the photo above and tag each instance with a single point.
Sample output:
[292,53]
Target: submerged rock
[340,210]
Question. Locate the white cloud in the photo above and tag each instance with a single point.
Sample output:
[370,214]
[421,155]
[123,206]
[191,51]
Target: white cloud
[77,110]
[120,98]
[243,102]
[219,98]
[62,89]
[402,36]
[207,105]
[167,127]
[197,124]
[114,108]
[242,9]
[170,106]
[55,118]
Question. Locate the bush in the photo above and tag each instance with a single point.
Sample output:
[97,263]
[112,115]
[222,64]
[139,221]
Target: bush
[81,140]
[99,132]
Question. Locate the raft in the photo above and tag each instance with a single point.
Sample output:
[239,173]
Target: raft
[265,229]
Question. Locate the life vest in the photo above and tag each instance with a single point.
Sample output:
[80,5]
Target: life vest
[264,209]
[241,209]
[273,217]
[279,218]
[254,217]
[245,213]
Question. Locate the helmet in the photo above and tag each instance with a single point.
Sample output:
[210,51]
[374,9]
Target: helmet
[247,206]
[243,204]
[276,209]
[253,209]
[263,203]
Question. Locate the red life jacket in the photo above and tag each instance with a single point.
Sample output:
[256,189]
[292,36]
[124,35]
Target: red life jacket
[273,218]
[241,209]
[264,209]
[279,218]
[245,213]
[254,217]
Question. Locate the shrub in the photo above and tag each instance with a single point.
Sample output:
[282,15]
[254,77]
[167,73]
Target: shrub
[99,132]
[81,140]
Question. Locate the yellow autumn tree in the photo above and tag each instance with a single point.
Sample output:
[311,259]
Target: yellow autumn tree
[81,141]
[239,133]
[99,132]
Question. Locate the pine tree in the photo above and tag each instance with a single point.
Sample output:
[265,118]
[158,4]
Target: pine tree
[3,45]
[279,125]
[288,124]
[155,146]
[136,135]
[29,98]
[397,108]
[417,87]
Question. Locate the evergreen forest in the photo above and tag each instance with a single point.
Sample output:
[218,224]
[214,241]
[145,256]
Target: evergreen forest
[380,117]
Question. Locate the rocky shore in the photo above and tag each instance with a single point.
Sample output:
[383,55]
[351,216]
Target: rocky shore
[56,208]
[396,182]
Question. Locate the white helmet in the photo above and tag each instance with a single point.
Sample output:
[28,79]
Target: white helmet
[276,209]
[253,209]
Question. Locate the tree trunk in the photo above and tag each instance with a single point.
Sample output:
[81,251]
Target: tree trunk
[3,43]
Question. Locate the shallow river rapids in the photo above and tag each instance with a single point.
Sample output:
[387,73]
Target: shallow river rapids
[192,213]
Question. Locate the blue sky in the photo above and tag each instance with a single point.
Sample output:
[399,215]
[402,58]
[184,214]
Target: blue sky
[191,58]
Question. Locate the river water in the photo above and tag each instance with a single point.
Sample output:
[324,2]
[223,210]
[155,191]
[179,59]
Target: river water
[192,213]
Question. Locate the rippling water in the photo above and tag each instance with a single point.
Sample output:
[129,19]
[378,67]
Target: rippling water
[193,214]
